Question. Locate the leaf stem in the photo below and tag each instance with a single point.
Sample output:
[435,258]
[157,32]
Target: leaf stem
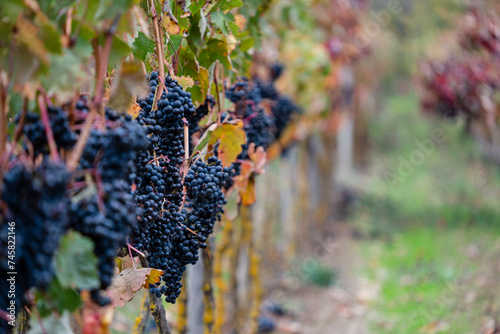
[48,129]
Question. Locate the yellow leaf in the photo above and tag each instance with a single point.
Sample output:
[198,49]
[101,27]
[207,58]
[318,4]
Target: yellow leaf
[185,81]
[230,138]
[134,110]
[153,277]
[171,26]
[240,21]
[248,194]
[129,281]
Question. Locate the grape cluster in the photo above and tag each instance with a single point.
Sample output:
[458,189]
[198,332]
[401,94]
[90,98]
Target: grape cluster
[107,214]
[34,130]
[283,107]
[244,91]
[261,129]
[257,124]
[204,183]
[36,201]
[158,181]
[283,110]
[174,225]
[108,225]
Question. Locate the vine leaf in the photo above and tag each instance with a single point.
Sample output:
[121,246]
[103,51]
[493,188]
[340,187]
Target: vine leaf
[123,263]
[258,157]
[219,19]
[216,49]
[171,26]
[248,195]
[189,67]
[128,83]
[129,281]
[185,81]
[227,5]
[195,6]
[230,138]
[202,24]
[240,21]
[205,138]
[134,110]
[142,46]
[174,43]
[57,298]
[76,264]
[245,182]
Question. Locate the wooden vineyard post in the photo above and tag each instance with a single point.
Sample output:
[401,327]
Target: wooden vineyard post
[208,295]
[221,286]
[182,315]
[141,320]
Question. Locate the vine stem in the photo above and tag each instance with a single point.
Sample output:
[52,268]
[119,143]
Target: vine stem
[19,129]
[157,309]
[159,49]
[185,163]
[48,129]
[101,65]
[136,250]
[219,108]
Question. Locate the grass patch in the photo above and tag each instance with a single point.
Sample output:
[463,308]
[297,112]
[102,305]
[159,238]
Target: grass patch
[425,225]
[317,273]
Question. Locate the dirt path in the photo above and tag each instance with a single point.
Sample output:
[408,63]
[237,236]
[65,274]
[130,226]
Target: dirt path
[341,308]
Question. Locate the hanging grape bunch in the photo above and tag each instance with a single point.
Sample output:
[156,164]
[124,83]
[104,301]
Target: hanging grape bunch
[173,224]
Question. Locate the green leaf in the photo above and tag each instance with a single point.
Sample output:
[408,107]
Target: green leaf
[129,82]
[174,43]
[25,65]
[142,46]
[189,67]
[54,8]
[204,140]
[58,298]
[220,21]
[119,50]
[216,50]
[196,5]
[246,44]
[100,14]
[15,106]
[227,5]
[194,38]
[197,94]
[10,10]
[51,38]
[235,30]
[67,67]
[76,263]
[183,23]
